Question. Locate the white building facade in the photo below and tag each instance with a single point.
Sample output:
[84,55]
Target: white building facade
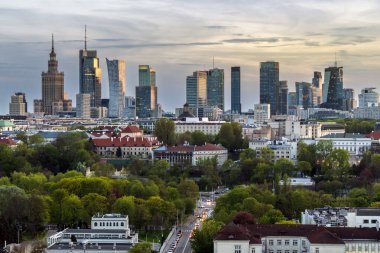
[194,124]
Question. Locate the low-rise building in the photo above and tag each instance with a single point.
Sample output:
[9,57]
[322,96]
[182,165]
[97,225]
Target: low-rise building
[187,154]
[332,128]
[255,238]
[194,124]
[281,148]
[109,233]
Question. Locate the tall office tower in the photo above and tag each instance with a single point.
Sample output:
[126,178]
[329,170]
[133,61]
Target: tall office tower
[196,91]
[269,81]
[215,88]
[52,84]
[292,99]
[349,102]
[333,88]
[235,90]
[282,102]
[83,105]
[130,107]
[368,97]
[317,88]
[17,105]
[146,93]
[90,75]
[304,93]
[116,76]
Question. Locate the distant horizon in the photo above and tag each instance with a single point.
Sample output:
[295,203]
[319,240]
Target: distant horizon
[175,41]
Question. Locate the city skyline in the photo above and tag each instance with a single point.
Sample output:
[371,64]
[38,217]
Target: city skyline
[300,44]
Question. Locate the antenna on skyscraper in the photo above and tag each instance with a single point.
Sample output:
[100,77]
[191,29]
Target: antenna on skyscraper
[85,37]
[335,63]
[213,62]
[52,42]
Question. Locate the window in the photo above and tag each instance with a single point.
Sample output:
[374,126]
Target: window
[365,221]
[295,243]
[287,251]
[237,248]
[278,251]
[95,224]
[295,251]
[122,224]
[316,250]
[373,221]
[278,242]
[271,242]
[253,250]
[286,242]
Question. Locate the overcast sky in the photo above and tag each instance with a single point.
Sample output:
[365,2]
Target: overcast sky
[177,37]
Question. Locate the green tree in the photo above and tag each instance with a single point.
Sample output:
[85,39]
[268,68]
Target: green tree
[198,138]
[284,166]
[304,167]
[323,149]
[72,210]
[267,154]
[336,164]
[160,168]
[226,136]
[36,139]
[103,169]
[125,205]
[247,154]
[94,203]
[202,241]
[142,247]
[165,131]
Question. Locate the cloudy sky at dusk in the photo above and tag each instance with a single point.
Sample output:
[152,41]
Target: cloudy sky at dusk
[177,37]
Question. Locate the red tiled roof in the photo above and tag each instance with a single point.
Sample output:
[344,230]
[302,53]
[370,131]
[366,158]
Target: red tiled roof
[191,148]
[126,142]
[315,234]
[355,233]
[209,147]
[7,141]
[131,129]
[374,135]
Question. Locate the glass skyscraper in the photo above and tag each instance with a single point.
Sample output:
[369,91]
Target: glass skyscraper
[116,77]
[215,88]
[196,90]
[269,81]
[146,93]
[317,88]
[304,93]
[282,103]
[235,90]
[333,88]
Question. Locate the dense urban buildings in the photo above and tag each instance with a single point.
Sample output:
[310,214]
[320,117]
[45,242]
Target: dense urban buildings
[304,93]
[90,75]
[130,107]
[18,105]
[269,81]
[282,99]
[262,113]
[146,93]
[83,105]
[333,88]
[235,90]
[215,88]
[116,77]
[196,91]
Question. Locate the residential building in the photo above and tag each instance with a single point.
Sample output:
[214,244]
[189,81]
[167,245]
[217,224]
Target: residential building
[278,238]
[83,105]
[215,88]
[18,105]
[317,87]
[126,147]
[196,91]
[333,88]
[328,216]
[372,112]
[38,106]
[98,112]
[328,128]
[281,149]
[235,90]
[262,113]
[282,103]
[90,75]
[269,81]
[194,124]
[109,233]
[187,154]
[146,93]
[116,77]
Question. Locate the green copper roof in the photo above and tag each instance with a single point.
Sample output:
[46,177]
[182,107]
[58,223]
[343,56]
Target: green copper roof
[6,123]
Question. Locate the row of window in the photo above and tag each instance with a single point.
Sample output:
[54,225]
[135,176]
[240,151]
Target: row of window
[109,224]
[367,221]
[286,242]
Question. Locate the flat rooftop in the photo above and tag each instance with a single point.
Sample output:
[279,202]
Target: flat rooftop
[90,247]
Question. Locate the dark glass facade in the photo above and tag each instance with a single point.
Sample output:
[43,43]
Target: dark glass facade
[269,82]
[146,101]
[235,90]
[333,88]
[215,88]
[282,103]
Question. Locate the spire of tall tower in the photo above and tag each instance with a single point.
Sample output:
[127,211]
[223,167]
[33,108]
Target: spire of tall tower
[85,37]
[52,42]
[335,63]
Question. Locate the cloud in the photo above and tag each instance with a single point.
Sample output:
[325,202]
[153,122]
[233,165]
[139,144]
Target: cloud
[312,43]
[218,27]
[252,40]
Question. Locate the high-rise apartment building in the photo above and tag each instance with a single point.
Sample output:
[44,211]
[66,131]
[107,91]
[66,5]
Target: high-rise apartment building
[317,88]
[333,88]
[235,90]
[146,93]
[90,75]
[196,91]
[215,88]
[17,106]
[368,98]
[83,105]
[282,99]
[130,107]
[349,101]
[304,93]
[269,82]
[116,77]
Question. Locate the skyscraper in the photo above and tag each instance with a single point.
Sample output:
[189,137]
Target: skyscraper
[349,101]
[368,97]
[90,75]
[235,90]
[116,77]
[304,95]
[196,91]
[17,106]
[282,103]
[215,88]
[146,93]
[333,88]
[317,87]
[52,85]
[83,105]
[269,81]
